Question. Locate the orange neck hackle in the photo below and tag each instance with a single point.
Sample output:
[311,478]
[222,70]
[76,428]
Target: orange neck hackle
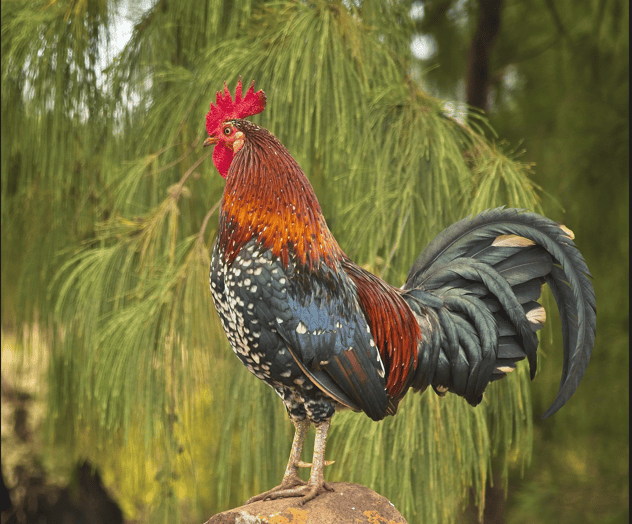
[268,197]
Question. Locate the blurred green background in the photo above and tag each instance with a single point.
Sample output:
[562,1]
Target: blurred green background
[112,355]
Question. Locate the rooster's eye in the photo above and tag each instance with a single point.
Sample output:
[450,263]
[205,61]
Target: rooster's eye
[227,131]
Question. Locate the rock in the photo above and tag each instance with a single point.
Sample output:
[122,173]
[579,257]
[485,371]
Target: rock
[348,504]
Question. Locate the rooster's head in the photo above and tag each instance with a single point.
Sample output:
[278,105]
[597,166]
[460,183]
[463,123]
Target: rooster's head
[226,138]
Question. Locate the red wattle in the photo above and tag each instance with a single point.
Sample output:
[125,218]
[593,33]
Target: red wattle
[222,157]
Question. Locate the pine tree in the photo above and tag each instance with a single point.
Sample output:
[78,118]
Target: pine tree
[109,211]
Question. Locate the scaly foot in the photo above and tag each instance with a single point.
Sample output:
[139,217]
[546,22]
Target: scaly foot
[308,492]
[290,482]
[292,485]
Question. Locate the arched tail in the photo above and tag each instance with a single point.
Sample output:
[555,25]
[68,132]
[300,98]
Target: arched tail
[474,291]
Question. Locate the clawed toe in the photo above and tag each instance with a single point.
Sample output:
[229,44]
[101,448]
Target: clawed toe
[307,492]
[288,484]
[292,485]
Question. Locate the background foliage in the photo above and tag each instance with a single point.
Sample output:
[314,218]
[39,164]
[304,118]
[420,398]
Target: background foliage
[109,209]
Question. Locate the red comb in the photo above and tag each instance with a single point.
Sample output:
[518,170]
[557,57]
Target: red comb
[225,109]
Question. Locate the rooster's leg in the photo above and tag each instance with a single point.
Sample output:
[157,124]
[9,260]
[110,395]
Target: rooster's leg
[316,484]
[290,478]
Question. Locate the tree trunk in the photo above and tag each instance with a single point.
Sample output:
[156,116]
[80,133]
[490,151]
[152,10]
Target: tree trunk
[478,55]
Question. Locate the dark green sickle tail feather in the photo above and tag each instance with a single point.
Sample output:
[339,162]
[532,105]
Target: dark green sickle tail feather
[474,291]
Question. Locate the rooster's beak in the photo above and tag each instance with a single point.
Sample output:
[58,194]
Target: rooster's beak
[211,140]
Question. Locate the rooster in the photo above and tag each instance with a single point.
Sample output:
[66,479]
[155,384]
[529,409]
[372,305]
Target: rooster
[328,335]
